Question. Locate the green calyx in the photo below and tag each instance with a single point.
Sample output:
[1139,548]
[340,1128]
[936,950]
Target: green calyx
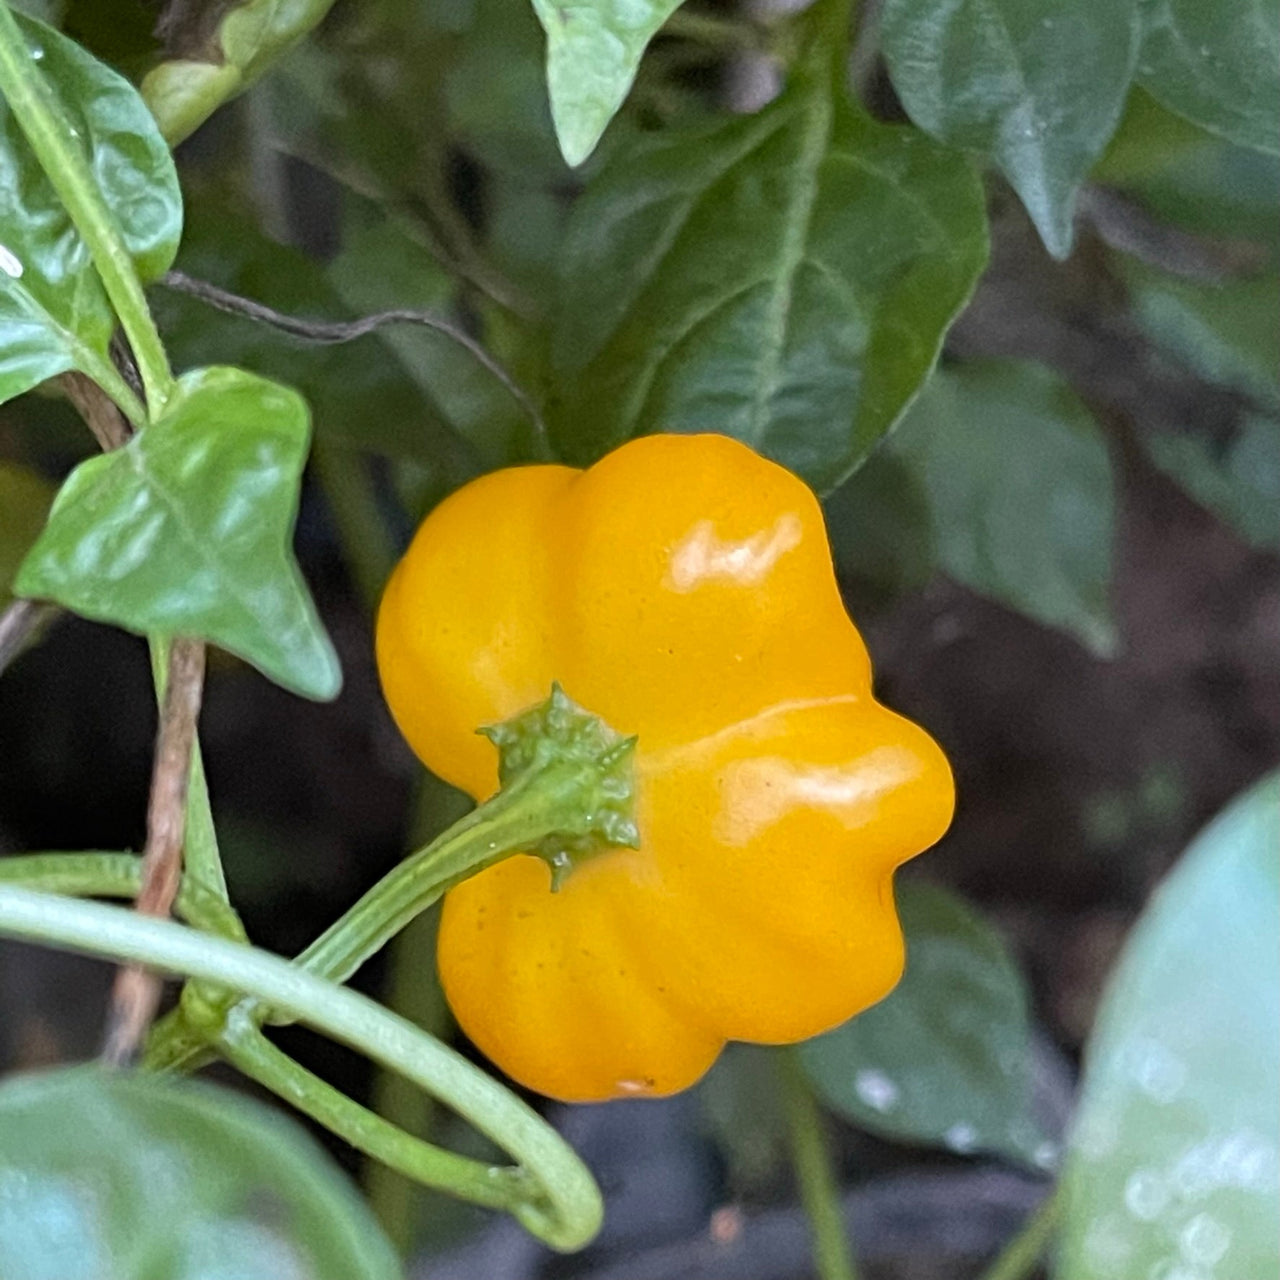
[583,768]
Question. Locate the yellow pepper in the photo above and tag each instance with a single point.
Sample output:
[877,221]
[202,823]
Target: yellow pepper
[682,590]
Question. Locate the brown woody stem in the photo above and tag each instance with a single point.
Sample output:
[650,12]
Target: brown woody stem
[136,994]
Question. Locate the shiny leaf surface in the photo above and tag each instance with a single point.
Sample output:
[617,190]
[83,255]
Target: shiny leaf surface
[593,52]
[1217,62]
[186,531]
[1035,84]
[1173,1167]
[945,1059]
[52,305]
[784,278]
[1019,481]
[108,1176]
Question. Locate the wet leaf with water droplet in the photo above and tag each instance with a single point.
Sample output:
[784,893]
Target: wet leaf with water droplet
[946,1058]
[1175,1146]
[116,1175]
[53,308]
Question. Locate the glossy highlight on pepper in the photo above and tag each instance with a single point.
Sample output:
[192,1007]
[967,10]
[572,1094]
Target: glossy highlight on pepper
[682,590]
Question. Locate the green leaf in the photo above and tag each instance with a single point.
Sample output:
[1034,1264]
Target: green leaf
[1228,333]
[186,531]
[946,1058]
[54,312]
[1191,178]
[593,53]
[1172,1168]
[1217,62]
[1238,481]
[25,498]
[109,1176]
[1035,84]
[881,529]
[785,278]
[1019,480]
[742,1107]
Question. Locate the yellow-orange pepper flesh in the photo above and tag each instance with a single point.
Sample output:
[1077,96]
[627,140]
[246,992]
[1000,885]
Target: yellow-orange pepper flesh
[682,590]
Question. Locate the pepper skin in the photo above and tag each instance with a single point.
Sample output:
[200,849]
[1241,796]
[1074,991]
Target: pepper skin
[681,589]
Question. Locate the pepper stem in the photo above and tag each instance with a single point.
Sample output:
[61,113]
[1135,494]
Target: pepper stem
[567,793]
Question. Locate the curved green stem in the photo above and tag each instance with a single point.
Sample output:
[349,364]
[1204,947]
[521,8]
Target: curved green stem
[246,1048]
[41,118]
[528,810]
[832,1255]
[519,817]
[116,875]
[559,1202]
[1021,1254]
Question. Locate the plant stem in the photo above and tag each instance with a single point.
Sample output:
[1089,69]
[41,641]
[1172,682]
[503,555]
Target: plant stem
[246,1048]
[819,1194]
[115,875]
[41,118]
[556,1199]
[100,371]
[19,622]
[526,811]
[135,996]
[201,859]
[1020,1255]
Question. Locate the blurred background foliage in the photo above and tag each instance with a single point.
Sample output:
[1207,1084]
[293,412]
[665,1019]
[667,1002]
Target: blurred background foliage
[1064,555]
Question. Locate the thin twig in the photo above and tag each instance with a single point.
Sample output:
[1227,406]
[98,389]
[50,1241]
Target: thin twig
[136,994]
[334,331]
[108,424]
[18,623]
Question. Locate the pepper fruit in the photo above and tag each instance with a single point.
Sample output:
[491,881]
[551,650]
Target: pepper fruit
[682,590]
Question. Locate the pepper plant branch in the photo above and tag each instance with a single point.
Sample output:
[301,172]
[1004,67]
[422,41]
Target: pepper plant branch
[819,1194]
[103,417]
[42,120]
[556,1198]
[119,396]
[136,993]
[247,1049]
[335,331]
[201,858]
[19,621]
[93,874]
